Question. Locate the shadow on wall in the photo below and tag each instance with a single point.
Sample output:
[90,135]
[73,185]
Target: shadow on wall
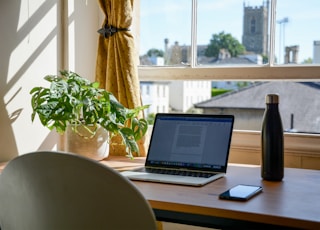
[13,69]
[9,40]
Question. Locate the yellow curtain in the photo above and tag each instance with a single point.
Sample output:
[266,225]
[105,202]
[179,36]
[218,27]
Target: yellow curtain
[116,68]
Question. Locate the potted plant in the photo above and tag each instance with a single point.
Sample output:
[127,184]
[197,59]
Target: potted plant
[74,102]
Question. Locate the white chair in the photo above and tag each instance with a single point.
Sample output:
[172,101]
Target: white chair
[54,190]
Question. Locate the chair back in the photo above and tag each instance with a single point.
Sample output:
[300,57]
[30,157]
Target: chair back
[55,190]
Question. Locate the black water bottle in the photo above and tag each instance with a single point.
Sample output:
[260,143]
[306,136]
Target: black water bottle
[272,163]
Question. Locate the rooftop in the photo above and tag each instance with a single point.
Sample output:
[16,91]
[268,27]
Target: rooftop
[302,99]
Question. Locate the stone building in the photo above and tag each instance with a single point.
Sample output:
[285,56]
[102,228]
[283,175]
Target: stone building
[255,28]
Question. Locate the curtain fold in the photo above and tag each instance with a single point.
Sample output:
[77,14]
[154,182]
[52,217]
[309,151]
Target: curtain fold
[116,67]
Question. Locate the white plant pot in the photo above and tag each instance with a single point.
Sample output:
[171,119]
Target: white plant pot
[83,143]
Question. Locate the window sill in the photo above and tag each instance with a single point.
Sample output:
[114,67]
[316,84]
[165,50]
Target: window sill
[300,150]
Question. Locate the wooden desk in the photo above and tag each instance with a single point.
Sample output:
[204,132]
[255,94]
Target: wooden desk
[292,203]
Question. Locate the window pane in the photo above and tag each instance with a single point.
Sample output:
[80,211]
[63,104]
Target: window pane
[165,32]
[297,32]
[298,104]
[232,32]
[174,96]
[299,111]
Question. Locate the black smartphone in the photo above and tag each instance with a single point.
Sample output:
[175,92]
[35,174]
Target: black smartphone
[241,192]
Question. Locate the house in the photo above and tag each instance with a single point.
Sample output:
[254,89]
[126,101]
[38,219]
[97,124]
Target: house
[186,93]
[155,94]
[299,105]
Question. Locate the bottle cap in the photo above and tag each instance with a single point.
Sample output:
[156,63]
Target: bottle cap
[272,99]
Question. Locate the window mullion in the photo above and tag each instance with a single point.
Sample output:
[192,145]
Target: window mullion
[193,61]
[272,32]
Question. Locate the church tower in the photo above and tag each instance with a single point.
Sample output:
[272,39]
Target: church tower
[255,28]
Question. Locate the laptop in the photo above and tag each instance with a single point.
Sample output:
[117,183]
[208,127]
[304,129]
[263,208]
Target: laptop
[186,149]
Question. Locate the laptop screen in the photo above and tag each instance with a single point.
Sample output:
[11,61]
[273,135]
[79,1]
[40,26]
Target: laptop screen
[193,141]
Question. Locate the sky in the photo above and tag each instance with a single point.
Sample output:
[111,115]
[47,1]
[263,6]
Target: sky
[171,19]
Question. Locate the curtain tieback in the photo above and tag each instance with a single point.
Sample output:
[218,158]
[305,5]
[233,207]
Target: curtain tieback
[108,31]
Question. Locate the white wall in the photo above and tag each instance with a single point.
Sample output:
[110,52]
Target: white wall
[176,102]
[84,19]
[188,93]
[316,52]
[155,94]
[31,47]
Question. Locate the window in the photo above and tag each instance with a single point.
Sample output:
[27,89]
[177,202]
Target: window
[282,48]
[253,25]
[180,31]
[160,23]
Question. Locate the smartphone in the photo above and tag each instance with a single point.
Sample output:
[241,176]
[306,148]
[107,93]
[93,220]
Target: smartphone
[241,192]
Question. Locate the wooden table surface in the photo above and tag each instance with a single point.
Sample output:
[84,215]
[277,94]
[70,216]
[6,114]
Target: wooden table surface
[294,202]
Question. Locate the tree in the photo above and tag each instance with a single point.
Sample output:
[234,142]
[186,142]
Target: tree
[307,61]
[224,41]
[265,58]
[155,53]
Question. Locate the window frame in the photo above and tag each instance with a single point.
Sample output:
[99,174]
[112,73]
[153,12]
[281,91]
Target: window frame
[270,72]
[231,73]
[266,72]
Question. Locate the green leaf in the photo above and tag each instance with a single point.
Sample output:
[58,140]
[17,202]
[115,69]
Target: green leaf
[72,99]
[139,128]
[128,139]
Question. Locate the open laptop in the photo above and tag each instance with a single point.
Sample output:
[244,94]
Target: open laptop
[188,149]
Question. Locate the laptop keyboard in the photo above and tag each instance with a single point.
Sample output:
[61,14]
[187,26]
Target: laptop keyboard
[180,172]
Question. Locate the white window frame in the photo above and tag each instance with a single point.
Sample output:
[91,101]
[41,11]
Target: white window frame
[298,143]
